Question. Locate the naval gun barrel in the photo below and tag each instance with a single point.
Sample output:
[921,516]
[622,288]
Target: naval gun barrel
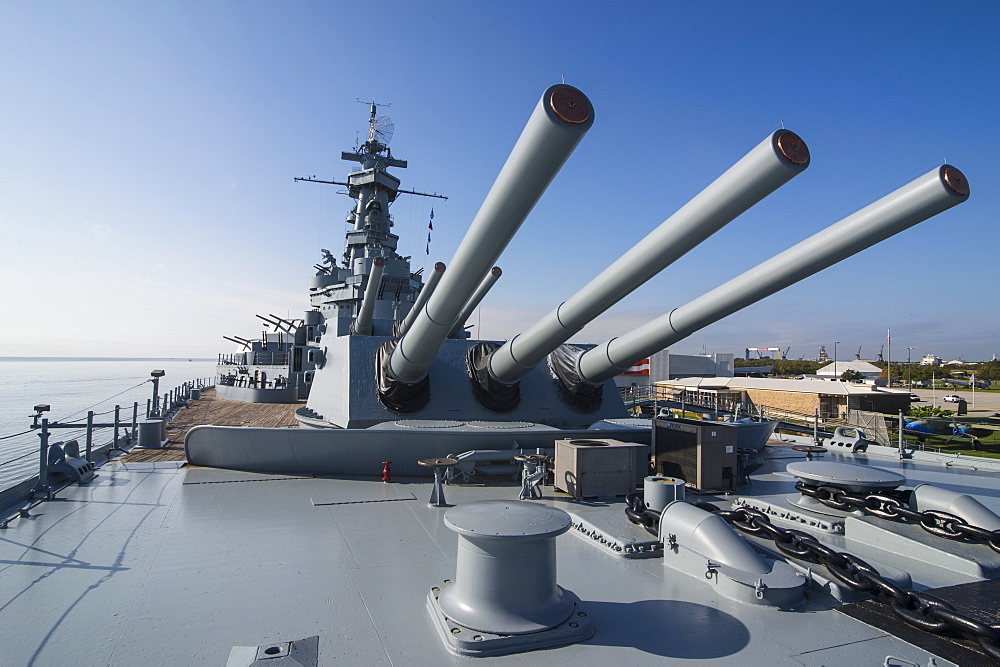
[775,161]
[922,198]
[488,282]
[560,119]
[425,293]
[363,323]
[275,322]
[240,341]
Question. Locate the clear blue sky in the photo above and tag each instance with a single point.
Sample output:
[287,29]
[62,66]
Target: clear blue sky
[147,151]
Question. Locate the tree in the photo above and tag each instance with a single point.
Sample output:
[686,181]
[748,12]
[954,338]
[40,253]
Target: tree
[850,375]
[928,411]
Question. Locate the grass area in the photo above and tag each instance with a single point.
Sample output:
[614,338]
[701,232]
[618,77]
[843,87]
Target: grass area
[989,450]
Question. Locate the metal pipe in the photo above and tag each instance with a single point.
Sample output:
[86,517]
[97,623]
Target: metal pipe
[488,282]
[363,323]
[922,198]
[117,424]
[90,434]
[425,293]
[43,460]
[771,164]
[560,119]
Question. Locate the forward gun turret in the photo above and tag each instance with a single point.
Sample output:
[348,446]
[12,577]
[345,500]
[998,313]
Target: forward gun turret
[560,119]
[925,197]
[775,161]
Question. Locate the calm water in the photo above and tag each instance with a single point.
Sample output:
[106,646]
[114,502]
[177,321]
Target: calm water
[72,387]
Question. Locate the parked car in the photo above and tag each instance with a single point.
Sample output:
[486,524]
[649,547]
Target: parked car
[915,399]
[953,398]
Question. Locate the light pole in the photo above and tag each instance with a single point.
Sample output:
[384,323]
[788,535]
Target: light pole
[909,373]
[835,343]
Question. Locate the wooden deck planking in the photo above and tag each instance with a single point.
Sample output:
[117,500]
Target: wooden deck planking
[217,412]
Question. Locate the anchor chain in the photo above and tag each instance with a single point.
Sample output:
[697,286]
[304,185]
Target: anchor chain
[892,506]
[921,610]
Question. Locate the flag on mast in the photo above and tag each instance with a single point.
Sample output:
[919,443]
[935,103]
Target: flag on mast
[430,228]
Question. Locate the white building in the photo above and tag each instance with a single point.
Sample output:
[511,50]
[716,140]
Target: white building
[838,368]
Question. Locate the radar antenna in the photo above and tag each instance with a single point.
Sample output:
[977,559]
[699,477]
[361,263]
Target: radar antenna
[380,128]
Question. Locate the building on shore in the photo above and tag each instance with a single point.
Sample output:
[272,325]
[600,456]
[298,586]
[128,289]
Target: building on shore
[838,368]
[793,398]
[666,366]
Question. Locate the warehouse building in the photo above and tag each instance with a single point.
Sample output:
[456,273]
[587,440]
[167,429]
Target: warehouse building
[786,397]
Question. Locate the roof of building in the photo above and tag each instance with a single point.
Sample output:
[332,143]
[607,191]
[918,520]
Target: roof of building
[839,367]
[777,384]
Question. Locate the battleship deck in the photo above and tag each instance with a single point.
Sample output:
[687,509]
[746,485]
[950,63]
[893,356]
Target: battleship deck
[178,566]
[220,412]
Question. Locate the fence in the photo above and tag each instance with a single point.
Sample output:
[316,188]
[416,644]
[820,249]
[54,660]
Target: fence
[122,427]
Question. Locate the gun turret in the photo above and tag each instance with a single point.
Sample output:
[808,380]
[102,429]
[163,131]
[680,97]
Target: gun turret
[774,162]
[560,119]
[425,293]
[363,324]
[926,196]
[488,282]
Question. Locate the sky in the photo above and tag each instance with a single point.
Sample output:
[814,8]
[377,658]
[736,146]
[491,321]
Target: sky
[147,156]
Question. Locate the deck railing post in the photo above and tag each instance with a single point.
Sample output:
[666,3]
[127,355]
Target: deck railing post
[114,444]
[43,460]
[90,434]
[135,421]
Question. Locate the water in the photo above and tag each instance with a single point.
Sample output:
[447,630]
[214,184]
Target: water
[72,387]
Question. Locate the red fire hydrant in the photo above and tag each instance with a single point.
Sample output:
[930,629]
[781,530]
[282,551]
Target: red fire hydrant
[386,473]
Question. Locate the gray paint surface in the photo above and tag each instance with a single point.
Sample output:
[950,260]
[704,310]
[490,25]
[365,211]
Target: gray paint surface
[178,566]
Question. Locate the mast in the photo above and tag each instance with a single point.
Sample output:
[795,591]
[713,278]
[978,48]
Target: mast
[337,291]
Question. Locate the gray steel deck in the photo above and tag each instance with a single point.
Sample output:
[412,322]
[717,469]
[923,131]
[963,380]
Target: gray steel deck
[178,566]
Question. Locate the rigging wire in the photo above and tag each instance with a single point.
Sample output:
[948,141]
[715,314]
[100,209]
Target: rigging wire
[18,458]
[106,399]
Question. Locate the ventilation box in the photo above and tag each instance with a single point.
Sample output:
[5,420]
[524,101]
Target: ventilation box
[595,467]
[702,453]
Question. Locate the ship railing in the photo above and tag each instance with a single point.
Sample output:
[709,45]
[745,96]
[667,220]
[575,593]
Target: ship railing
[120,422]
[247,380]
[637,397]
[269,359]
[234,359]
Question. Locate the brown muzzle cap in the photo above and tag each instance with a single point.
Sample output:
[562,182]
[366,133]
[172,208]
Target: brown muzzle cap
[955,180]
[570,105]
[793,148]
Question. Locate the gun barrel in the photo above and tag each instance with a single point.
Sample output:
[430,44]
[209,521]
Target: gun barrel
[245,344]
[560,119]
[363,323]
[488,282]
[425,293]
[771,164]
[922,198]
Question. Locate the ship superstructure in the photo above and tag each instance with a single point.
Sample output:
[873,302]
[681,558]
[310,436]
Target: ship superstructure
[338,291]
[368,292]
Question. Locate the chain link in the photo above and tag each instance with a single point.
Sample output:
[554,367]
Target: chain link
[892,507]
[921,610]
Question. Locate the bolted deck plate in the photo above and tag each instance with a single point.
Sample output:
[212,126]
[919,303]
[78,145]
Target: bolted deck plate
[463,641]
